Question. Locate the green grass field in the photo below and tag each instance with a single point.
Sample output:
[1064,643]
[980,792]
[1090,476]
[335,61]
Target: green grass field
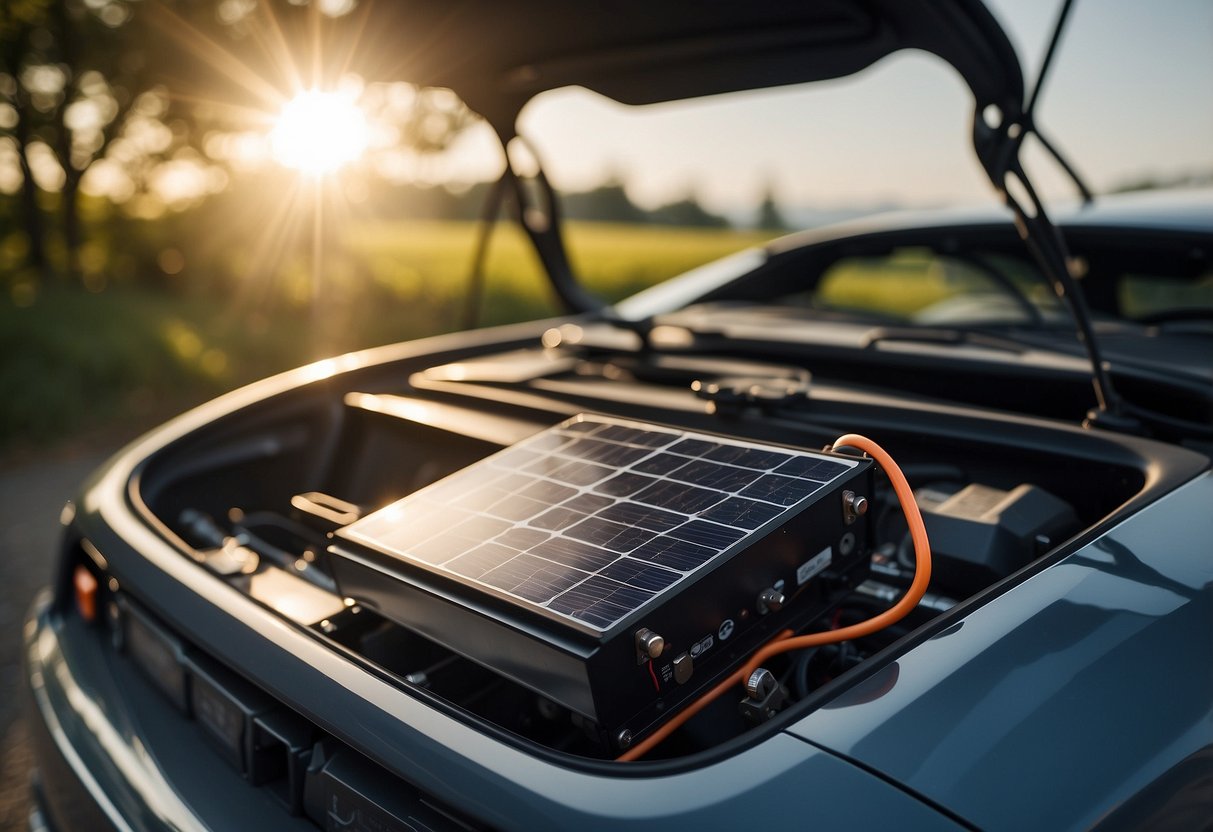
[428,262]
[77,361]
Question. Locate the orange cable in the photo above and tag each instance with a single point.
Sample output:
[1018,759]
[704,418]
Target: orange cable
[784,642]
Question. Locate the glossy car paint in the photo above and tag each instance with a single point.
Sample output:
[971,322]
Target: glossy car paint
[861,770]
[1056,704]
[1087,601]
[1179,213]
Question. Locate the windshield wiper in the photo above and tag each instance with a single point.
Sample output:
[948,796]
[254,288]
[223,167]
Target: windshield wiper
[946,337]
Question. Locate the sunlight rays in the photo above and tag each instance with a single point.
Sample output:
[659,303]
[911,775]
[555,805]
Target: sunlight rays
[319,132]
[290,91]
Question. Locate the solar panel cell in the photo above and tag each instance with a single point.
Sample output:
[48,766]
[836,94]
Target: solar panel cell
[660,464]
[621,485]
[516,507]
[756,458]
[646,517]
[574,553]
[613,536]
[600,601]
[480,560]
[712,535]
[742,513]
[589,503]
[479,499]
[548,492]
[692,447]
[714,475]
[637,436]
[575,472]
[784,491]
[674,496]
[639,574]
[532,578]
[608,453]
[557,518]
[521,538]
[515,458]
[812,468]
[676,554]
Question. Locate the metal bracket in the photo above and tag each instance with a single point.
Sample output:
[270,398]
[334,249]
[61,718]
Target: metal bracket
[766,697]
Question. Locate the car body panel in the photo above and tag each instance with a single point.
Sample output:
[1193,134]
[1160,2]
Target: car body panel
[1179,212]
[497,56]
[1076,689]
[502,783]
[137,759]
[125,744]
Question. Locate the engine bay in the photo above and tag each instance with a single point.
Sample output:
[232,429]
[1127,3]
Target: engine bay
[266,497]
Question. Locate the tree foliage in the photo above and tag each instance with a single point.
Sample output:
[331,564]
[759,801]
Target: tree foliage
[73,74]
[119,97]
[770,218]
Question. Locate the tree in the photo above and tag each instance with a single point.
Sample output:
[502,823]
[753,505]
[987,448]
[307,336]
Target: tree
[687,212]
[769,216]
[137,85]
[20,23]
[609,202]
[73,72]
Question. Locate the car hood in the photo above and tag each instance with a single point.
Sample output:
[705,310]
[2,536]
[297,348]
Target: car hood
[497,56]
[1087,688]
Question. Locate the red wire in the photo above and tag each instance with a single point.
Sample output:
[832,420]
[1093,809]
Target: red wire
[653,673]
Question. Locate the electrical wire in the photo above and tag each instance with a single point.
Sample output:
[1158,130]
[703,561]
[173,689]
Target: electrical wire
[785,641]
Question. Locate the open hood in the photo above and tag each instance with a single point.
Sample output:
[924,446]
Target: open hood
[497,56]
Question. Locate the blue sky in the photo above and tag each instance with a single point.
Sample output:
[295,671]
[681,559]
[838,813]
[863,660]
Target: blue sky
[1130,94]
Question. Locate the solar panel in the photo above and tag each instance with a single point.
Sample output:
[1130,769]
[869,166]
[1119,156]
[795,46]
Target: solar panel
[596,517]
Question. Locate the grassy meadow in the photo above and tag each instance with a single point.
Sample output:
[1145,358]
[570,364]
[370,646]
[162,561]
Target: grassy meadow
[129,352]
[427,262]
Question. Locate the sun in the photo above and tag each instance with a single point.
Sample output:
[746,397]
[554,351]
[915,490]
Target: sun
[319,132]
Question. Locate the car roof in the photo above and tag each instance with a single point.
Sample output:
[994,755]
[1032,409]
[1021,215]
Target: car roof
[1187,210]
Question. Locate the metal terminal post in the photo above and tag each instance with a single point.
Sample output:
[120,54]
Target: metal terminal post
[765,696]
[854,506]
[770,600]
[649,645]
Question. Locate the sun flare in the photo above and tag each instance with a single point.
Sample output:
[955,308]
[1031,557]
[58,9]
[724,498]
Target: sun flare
[319,132]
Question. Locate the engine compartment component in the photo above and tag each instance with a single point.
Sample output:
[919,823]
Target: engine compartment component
[980,533]
[617,568]
[279,479]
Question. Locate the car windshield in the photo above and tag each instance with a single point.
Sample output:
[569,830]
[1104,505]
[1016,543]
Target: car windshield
[672,187]
[916,285]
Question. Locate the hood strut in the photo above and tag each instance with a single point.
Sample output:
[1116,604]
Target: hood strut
[997,140]
[539,216]
[998,136]
[1029,116]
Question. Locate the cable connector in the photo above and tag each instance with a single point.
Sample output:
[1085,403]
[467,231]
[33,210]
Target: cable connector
[765,697]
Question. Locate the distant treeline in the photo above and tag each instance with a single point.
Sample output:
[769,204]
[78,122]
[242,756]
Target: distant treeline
[606,203]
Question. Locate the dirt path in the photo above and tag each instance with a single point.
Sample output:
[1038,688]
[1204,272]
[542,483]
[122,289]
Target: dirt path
[32,493]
